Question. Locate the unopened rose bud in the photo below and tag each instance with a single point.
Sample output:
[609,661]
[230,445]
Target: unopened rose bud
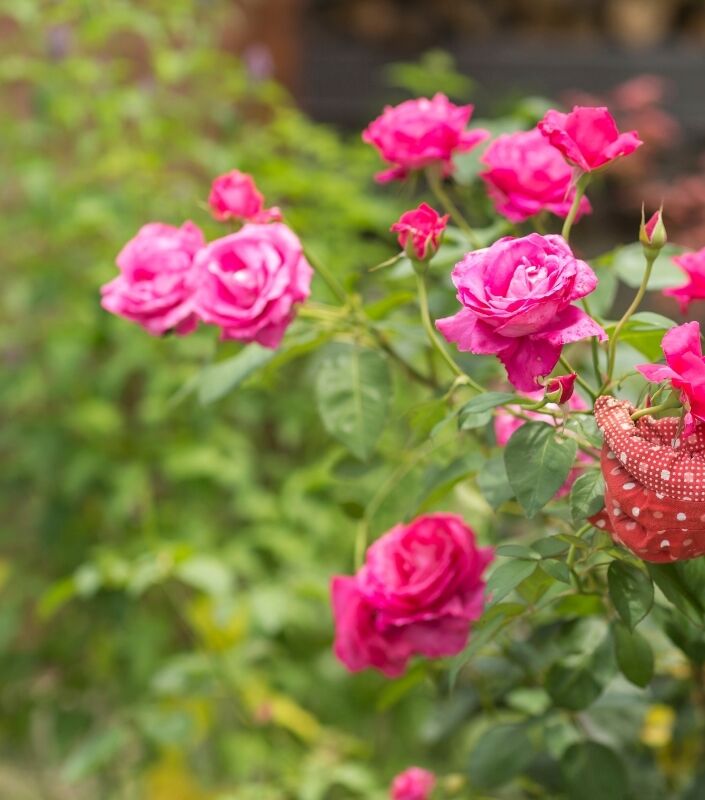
[652,234]
[420,231]
[560,389]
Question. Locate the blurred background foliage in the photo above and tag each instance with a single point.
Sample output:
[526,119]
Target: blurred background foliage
[165,627]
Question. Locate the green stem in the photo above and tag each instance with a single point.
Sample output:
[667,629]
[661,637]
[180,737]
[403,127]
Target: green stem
[328,277]
[580,187]
[670,402]
[433,338]
[636,302]
[435,183]
[581,381]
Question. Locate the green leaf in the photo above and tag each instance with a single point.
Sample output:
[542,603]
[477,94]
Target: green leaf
[593,771]
[493,482]
[538,461]
[682,584]
[500,754]
[216,380]
[352,392]
[507,577]
[634,655]
[629,263]
[550,546]
[517,551]
[205,573]
[572,687]
[557,570]
[631,591]
[602,299]
[644,332]
[478,411]
[587,496]
[96,752]
[438,481]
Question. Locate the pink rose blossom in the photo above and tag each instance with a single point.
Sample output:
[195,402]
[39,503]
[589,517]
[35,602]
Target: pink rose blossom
[421,132]
[505,424]
[251,282]
[516,297]
[685,369]
[527,175]
[693,264]
[413,784]
[235,196]
[588,137]
[157,279]
[421,228]
[417,593]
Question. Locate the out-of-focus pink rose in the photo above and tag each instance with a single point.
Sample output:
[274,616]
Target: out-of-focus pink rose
[516,297]
[527,175]
[685,369]
[640,92]
[235,196]
[417,593]
[505,424]
[157,279]
[413,784]
[421,229]
[588,137]
[421,132]
[693,264]
[565,384]
[251,282]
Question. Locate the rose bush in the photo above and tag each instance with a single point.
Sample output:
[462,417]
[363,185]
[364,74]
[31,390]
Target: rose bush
[185,546]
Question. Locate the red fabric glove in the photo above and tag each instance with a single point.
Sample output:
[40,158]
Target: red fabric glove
[654,484]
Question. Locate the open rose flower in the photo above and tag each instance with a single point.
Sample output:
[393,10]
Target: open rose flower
[685,369]
[527,175]
[157,279]
[419,133]
[418,592]
[588,137]
[413,784]
[421,230]
[693,264]
[505,424]
[251,282]
[235,196]
[516,297]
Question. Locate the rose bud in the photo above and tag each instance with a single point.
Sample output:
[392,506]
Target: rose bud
[413,784]
[560,388]
[420,232]
[652,234]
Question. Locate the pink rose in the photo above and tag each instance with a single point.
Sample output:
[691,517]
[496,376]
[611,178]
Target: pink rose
[413,784]
[421,228]
[505,424]
[588,137]
[685,369]
[157,279]
[526,176]
[418,133]
[693,264]
[251,281]
[420,588]
[235,196]
[516,297]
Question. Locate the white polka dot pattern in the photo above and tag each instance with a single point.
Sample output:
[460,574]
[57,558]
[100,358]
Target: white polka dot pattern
[655,496]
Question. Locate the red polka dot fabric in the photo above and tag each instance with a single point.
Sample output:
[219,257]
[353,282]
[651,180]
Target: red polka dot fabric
[654,484]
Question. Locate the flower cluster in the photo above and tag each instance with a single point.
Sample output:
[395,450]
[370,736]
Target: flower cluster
[418,592]
[247,283]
